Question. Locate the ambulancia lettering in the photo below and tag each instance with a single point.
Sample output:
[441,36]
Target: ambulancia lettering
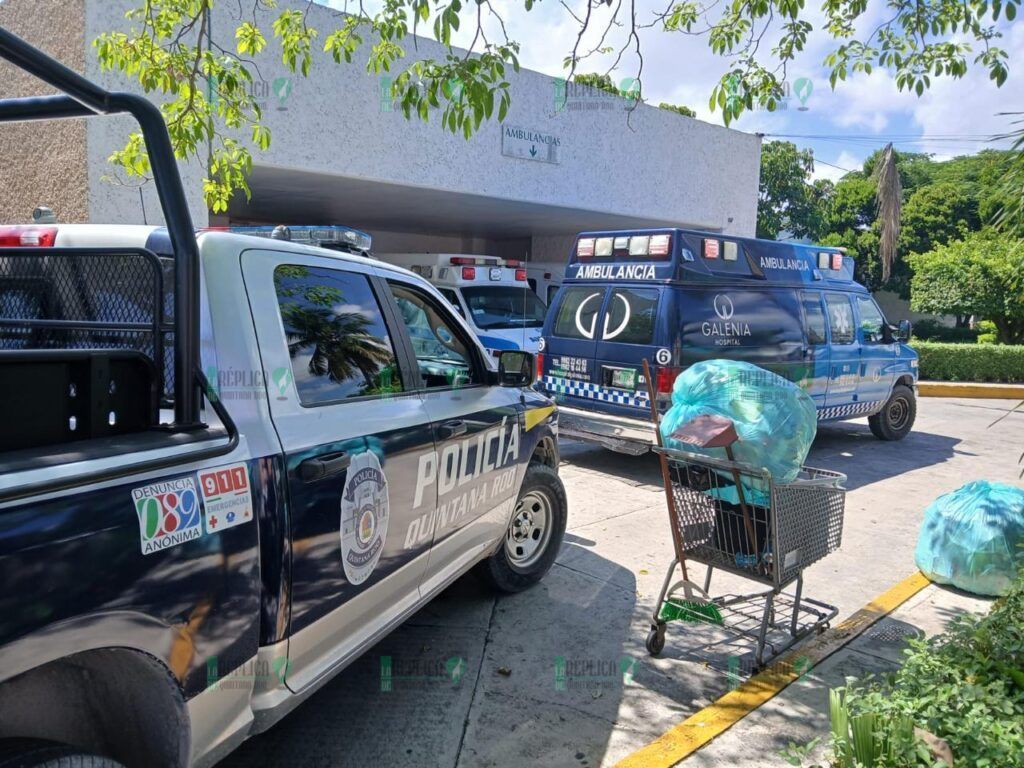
[778,262]
[615,272]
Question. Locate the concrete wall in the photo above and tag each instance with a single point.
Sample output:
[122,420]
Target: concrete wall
[43,163]
[649,162]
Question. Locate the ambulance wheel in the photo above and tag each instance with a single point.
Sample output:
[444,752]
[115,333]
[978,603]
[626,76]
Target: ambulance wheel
[656,639]
[896,418]
[534,534]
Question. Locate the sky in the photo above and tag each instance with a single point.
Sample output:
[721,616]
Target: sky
[842,127]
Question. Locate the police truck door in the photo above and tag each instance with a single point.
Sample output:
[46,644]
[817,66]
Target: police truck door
[353,430]
[475,471]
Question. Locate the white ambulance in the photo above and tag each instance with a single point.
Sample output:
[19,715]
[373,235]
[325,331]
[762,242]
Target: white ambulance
[491,293]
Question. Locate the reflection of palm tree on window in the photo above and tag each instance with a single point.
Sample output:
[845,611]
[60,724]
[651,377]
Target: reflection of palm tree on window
[341,344]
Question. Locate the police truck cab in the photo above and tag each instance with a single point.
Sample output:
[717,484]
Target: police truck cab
[229,465]
[676,297]
[492,294]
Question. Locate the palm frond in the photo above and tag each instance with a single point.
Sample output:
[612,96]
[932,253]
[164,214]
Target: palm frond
[889,199]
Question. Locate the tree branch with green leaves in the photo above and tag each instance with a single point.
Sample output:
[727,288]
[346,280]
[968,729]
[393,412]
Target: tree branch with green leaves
[204,84]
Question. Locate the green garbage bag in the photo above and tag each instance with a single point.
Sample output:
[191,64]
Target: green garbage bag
[972,538]
[775,419]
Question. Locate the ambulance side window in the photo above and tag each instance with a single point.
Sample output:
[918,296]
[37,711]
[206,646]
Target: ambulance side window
[442,354]
[871,320]
[577,315]
[337,339]
[814,319]
[840,318]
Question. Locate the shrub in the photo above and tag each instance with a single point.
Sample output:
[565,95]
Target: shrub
[965,686]
[932,330]
[970,362]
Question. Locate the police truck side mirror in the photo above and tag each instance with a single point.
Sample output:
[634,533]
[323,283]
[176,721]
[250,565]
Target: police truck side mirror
[904,330]
[516,368]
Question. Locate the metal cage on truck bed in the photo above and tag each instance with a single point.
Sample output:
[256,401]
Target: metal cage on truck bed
[59,311]
[93,341]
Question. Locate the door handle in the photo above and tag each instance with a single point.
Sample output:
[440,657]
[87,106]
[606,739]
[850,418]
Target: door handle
[320,467]
[452,429]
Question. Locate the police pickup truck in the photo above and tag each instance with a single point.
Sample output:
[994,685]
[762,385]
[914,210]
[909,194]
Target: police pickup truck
[675,297]
[226,469]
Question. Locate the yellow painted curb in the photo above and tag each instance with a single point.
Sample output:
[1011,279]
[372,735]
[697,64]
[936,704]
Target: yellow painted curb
[703,726]
[970,389]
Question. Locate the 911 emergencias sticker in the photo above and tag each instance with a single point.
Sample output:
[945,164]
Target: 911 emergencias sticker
[226,497]
[168,514]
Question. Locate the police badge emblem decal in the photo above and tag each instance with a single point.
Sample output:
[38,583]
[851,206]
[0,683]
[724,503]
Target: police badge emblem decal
[364,516]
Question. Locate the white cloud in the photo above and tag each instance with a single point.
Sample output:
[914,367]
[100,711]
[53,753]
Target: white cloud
[836,169]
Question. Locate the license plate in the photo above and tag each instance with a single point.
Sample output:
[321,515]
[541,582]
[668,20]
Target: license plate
[624,378]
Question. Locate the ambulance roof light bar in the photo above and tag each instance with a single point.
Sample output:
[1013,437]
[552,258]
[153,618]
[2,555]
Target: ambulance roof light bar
[657,246]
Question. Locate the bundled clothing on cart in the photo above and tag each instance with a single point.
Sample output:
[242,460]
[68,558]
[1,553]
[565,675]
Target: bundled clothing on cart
[775,419]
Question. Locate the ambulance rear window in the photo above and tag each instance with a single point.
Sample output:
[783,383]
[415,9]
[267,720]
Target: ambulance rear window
[631,315]
[577,314]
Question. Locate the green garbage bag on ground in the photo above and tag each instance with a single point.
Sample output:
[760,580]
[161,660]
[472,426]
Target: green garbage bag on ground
[971,538]
[775,419]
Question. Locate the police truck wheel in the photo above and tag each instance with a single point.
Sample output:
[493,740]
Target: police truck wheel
[896,419]
[37,753]
[534,534]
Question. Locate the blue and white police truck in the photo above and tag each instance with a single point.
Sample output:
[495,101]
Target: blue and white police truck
[676,297]
[228,467]
[492,294]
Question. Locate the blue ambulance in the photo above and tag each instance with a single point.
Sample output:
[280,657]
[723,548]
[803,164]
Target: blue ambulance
[676,297]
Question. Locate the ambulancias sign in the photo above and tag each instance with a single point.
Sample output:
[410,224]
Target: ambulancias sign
[528,144]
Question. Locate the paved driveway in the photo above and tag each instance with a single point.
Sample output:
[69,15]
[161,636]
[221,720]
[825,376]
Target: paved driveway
[558,676]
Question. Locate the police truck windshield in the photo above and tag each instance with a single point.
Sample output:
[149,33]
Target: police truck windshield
[504,306]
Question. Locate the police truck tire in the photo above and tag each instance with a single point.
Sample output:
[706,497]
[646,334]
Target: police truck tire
[896,418]
[534,536]
[38,753]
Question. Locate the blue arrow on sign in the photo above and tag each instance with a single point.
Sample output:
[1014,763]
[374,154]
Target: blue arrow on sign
[533,150]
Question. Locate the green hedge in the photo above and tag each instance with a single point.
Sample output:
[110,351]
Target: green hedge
[970,362]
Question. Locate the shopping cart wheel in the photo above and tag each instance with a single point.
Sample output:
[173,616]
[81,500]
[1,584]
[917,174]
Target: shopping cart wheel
[656,639]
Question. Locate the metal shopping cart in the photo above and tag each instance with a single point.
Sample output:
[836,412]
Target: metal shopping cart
[736,518]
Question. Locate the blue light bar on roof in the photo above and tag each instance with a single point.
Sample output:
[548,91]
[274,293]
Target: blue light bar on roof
[325,236]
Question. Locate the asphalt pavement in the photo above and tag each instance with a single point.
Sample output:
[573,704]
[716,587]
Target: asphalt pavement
[558,675]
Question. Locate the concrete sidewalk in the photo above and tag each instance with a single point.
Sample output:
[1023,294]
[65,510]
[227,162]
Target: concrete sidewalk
[800,712]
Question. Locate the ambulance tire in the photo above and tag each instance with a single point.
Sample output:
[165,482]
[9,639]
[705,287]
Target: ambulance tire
[37,753]
[534,536]
[896,418]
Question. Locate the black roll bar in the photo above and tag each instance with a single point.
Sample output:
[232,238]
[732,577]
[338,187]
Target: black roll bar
[83,98]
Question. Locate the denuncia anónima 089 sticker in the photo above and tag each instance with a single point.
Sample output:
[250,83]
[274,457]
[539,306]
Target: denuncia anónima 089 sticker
[168,514]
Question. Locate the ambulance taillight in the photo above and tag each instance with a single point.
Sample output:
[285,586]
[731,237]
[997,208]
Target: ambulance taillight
[521,275]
